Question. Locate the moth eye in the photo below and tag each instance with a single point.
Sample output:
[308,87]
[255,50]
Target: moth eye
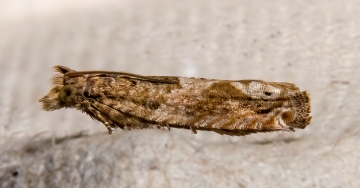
[67,94]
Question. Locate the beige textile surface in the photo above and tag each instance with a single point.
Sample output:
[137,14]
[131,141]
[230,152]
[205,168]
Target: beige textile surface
[314,44]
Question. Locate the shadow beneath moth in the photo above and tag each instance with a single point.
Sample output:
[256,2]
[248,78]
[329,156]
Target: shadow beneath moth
[130,101]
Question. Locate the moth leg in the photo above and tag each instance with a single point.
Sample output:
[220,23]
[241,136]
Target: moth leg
[162,126]
[193,130]
[108,126]
[95,114]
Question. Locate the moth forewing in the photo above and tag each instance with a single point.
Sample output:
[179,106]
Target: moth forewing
[129,101]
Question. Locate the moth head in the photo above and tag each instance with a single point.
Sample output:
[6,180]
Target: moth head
[59,97]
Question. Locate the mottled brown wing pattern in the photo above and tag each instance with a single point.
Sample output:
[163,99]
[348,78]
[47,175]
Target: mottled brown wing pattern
[130,101]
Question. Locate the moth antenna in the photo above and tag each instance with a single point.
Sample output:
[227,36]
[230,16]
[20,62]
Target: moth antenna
[63,69]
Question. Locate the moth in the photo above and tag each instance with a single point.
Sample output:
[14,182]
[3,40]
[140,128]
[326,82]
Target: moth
[130,101]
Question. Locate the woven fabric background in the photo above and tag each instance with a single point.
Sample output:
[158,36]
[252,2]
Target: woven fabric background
[315,44]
